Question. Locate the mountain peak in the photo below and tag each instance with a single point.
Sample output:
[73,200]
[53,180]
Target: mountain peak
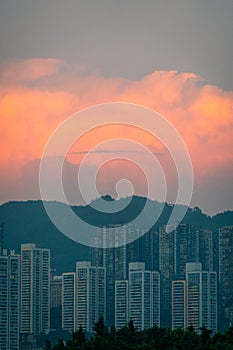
[108,198]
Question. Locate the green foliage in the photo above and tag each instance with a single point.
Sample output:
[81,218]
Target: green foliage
[60,345]
[47,344]
[129,338]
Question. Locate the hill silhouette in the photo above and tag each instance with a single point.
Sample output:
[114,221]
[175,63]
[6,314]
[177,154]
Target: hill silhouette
[28,222]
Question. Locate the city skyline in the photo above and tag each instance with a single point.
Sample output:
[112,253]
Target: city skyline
[174,280]
[116,191]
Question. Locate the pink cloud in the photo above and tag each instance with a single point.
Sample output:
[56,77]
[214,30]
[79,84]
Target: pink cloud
[37,95]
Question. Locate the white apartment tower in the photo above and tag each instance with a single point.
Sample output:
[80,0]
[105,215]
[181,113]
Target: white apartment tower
[201,297]
[35,289]
[179,313]
[83,297]
[144,296]
[121,303]
[90,295]
[69,301]
[194,300]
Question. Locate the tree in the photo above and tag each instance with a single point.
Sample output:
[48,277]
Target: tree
[60,345]
[205,336]
[131,327]
[47,344]
[78,337]
[100,328]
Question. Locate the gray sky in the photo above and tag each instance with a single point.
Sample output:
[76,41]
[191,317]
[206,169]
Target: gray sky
[127,38]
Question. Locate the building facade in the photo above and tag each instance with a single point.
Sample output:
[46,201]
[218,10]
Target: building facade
[69,301]
[206,249]
[167,271]
[83,297]
[144,296]
[55,291]
[114,258]
[225,270]
[90,295]
[1,238]
[201,297]
[35,289]
[179,312]
[9,300]
[121,303]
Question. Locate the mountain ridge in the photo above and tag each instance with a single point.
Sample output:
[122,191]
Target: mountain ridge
[27,221]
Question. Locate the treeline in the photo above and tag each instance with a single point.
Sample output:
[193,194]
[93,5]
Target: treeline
[128,338]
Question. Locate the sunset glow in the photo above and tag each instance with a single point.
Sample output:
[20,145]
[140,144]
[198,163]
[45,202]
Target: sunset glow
[37,95]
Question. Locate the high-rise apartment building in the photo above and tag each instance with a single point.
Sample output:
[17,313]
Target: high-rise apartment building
[55,291]
[226,273]
[35,289]
[149,250]
[186,248]
[194,300]
[1,238]
[206,249]
[183,245]
[144,296]
[115,264]
[9,300]
[115,257]
[179,312]
[167,271]
[201,297]
[83,297]
[133,249]
[156,298]
[121,303]
[69,301]
[90,295]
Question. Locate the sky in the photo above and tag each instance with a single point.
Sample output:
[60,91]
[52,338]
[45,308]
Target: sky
[58,57]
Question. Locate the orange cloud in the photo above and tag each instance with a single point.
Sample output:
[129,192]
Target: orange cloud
[37,95]
[28,70]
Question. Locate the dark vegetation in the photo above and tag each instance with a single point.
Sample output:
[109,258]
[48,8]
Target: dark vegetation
[128,338]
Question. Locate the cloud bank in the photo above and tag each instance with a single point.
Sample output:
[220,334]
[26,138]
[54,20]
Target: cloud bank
[37,95]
